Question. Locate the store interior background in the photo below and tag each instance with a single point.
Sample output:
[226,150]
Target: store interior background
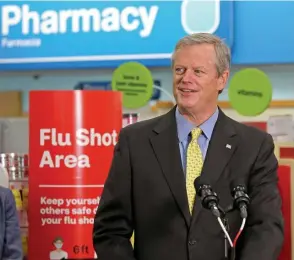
[281,76]
[265,34]
[17,85]
[261,33]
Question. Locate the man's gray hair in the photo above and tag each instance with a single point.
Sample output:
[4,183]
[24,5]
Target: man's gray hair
[222,52]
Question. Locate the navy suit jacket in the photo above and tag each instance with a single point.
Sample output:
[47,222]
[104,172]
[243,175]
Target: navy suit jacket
[10,238]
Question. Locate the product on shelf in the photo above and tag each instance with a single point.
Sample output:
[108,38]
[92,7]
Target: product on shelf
[17,198]
[25,194]
[24,241]
[130,118]
[15,164]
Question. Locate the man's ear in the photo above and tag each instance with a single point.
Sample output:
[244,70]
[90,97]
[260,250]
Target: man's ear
[222,80]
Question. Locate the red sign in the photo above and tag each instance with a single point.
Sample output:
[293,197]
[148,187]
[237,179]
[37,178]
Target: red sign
[286,152]
[284,173]
[72,137]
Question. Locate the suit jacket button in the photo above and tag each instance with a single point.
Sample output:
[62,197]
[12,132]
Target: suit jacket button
[192,242]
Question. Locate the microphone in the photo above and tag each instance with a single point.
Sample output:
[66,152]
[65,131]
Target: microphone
[241,198]
[209,198]
[210,201]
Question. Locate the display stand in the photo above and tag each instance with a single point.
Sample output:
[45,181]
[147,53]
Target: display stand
[130,118]
[16,166]
[70,155]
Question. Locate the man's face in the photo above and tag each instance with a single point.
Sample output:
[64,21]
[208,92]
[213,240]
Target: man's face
[195,80]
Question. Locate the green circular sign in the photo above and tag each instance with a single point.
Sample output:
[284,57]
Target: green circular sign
[250,92]
[135,81]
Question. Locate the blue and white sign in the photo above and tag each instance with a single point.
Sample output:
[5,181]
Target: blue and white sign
[77,34]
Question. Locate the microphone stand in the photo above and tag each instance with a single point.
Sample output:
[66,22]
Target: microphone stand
[209,200]
[228,256]
[227,227]
[226,240]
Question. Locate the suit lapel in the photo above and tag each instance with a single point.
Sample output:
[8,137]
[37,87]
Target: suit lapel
[166,148]
[223,144]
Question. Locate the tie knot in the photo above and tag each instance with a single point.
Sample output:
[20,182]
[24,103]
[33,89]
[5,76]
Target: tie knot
[196,132]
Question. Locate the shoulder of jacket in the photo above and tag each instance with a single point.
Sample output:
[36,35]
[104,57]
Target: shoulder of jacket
[4,193]
[248,130]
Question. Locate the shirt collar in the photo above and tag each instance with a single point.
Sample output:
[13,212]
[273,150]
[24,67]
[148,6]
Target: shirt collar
[185,127]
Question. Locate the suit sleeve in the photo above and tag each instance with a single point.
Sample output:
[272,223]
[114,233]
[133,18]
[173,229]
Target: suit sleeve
[113,224]
[12,249]
[263,235]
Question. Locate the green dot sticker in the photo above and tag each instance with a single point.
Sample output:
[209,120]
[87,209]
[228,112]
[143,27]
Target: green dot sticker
[135,81]
[250,92]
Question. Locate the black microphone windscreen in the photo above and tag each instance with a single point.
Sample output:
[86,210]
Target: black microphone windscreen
[238,182]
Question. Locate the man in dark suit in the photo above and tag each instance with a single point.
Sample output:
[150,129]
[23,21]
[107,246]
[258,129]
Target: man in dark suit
[149,189]
[10,238]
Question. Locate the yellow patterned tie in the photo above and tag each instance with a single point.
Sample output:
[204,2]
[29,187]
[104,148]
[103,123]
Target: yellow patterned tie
[194,166]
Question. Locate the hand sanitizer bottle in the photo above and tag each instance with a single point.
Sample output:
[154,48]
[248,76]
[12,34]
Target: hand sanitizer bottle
[200,16]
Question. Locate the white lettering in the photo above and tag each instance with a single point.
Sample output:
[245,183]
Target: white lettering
[28,16]
[110,22]
[48,201]
[64,16]
[15,43]
[125,15]
[84,20]
[81,211]
[94,201]
[51,221]
[82,138]
[43,136]
[85,16]
[85,137]
[49,24]
[84,220]
[11,15]
[57,139]
[69,161]
[148,20]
